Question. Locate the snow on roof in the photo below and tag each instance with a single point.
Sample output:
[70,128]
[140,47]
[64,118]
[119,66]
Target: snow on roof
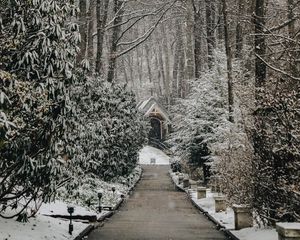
[144,103]
[147,106]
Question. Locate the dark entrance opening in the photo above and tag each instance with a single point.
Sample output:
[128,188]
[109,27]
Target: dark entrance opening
[155,131]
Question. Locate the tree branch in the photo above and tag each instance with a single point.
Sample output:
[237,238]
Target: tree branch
[277,69]
[147,34]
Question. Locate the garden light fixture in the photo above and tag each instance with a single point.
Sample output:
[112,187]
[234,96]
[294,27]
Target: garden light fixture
[71,211]
[100,194]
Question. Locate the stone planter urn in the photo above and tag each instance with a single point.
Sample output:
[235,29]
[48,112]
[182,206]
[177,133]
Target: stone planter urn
[201,192]
[243,216]
[288,231]
[186,183]
[220,203]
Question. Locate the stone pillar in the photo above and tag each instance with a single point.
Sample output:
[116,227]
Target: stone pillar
[243,216]
[220,203]
[180,179]
[201,192]
[288,231]
[193,184]
[200,183]
[186,183]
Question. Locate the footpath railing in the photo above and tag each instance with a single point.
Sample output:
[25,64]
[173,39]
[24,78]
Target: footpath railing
[160,145]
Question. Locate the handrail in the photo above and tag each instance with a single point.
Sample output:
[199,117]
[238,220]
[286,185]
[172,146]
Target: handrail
[160,145]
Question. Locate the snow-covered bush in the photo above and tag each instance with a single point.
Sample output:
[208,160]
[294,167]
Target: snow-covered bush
[277,157]
[232,158]
[86,193]
[175,165]
[197,117]
[204,138]
[37,50]
[110,131]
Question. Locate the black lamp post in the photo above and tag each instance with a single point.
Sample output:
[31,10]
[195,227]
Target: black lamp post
[71,211]
[100,194]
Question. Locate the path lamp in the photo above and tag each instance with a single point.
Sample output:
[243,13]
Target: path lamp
[71,211]
[100,194]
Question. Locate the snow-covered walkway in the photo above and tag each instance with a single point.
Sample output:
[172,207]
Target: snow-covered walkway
[149,154]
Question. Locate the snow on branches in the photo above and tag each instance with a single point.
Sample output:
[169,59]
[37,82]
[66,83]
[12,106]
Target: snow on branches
[38,47]
[56,125]
[204,138]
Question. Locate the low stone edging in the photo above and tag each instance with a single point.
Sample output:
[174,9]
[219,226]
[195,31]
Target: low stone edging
[205,213]
[85,232]
[91,227]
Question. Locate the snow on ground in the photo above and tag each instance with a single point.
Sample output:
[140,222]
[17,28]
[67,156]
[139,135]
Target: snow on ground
[256,233]
[227,218]
[151,155]
[60,208]
[44,227]
[39,228]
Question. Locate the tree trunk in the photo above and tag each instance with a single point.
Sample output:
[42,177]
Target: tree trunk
[181,73]
[294,52]
[90,49]
[82,30]
[211,42]
[291,15]
[157,80]
[198,40]
[125,71]
[101,22]
[190,59]
[139,64]
[149,68]
[178,46]
[260,44]
[162,69]
[229,62]
[114,40]
[239,29]
[167,64]
[220,29]
[179,63]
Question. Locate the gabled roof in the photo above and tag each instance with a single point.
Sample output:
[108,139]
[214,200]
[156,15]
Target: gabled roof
[146,107]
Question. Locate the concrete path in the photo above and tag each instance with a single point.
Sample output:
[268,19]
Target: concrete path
[157,212]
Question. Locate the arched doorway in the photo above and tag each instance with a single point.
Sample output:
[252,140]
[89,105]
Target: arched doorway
[155,131]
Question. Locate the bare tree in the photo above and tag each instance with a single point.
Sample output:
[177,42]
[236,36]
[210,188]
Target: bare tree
[229,61]
[101,22]
[83,30]
[260,44]
[239,28]
[210,30]
[198,35]
[114,40]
